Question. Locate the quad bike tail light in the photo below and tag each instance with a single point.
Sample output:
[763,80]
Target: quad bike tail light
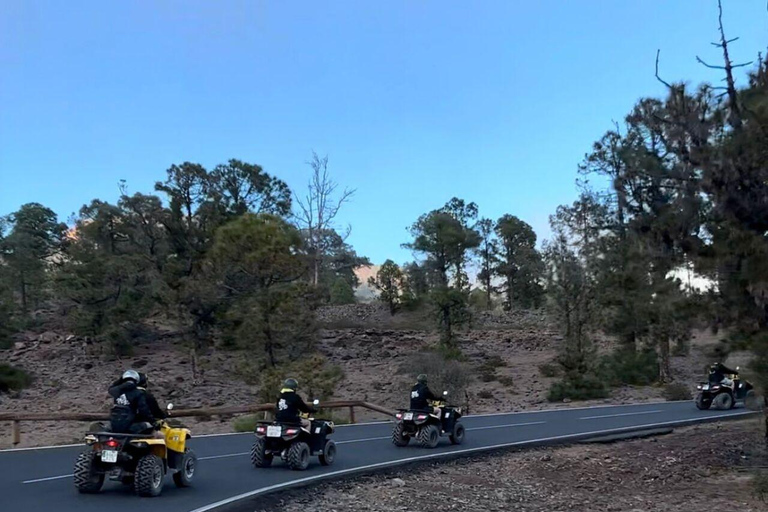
[291,431]
[399,415]
[261,430]
[421,417]
[112,443]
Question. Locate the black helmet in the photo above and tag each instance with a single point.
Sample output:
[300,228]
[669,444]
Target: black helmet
[422,379]
[143,380]
[131,375]
[291,384]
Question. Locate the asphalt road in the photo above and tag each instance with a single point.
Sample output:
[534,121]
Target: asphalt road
[40,479]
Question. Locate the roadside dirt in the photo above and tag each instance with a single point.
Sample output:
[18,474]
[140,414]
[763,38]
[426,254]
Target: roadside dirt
[697,468]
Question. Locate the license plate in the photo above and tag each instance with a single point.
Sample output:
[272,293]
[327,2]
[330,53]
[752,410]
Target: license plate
[109,456]
[408,416]
[274,431]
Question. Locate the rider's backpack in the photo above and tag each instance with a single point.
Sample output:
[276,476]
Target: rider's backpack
[122,415]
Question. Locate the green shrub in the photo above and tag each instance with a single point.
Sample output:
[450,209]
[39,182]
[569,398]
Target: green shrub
[549,370]
[488,376]
[247,423]
[507,380]
[341,292]
[677,391]
[13,378]
[488,368]
[444,374]
[639,368]
[119,342]
[760,486]
[317,379]
[577,387]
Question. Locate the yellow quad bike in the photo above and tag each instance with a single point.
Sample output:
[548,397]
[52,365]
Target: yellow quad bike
[140,460]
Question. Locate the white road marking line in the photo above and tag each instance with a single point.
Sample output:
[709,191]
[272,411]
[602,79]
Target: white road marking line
[508,426]
[210,457]
[36,480]
[656,411]
[364,440]
[397,462]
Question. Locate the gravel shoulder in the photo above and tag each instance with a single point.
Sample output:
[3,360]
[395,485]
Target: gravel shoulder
[705,467]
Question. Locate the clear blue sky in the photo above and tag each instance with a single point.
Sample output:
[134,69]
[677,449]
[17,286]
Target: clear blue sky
[413,101]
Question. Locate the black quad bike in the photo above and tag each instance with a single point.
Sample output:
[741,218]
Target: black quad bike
[293,444]
[426,427]
[724,387]
[140,460]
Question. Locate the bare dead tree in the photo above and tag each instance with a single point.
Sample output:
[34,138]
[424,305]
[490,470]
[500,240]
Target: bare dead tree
[730,89]
[318,209]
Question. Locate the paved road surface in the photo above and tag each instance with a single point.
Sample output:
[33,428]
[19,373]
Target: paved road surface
[40,480]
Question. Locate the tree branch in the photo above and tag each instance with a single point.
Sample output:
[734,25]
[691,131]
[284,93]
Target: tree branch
[658,52]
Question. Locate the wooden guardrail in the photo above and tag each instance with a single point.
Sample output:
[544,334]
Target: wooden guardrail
[17,417]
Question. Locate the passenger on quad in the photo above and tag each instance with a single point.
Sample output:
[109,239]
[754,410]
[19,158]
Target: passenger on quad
[290,405]
[157,412]
[131,412]
[421,395]
[720,374]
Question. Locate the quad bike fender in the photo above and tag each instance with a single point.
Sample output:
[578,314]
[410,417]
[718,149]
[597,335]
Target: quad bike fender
[176,439]
[156,446]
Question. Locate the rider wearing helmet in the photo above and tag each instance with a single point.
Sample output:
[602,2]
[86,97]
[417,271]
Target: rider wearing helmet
[421,394]
[130,412]
[290,404]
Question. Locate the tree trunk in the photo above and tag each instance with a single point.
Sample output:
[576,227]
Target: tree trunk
[447,330]
[665,374]
[23,290]
[765,412]
[510,292]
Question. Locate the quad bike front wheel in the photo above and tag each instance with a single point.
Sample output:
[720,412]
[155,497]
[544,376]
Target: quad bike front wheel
[298,456]
[429,436]
[723,401]
[259,456]
[329,453]
[399,438]
[702,404]
[457,436]
[148,479]
[87,480]
[183,477]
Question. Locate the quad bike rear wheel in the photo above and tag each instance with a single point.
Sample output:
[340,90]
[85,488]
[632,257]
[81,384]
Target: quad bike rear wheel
[329,453]
[259,456]
[298,456]
[457,436]
[399,438]
[87,481]
[183,477]
[701,404]
[148,480]
[723,401]
[429,436]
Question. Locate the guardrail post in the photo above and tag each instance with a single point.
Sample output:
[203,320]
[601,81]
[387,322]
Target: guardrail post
[352,414]
[15,432]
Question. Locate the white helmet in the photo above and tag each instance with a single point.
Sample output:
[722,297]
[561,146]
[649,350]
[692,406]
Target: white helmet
[132,375]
